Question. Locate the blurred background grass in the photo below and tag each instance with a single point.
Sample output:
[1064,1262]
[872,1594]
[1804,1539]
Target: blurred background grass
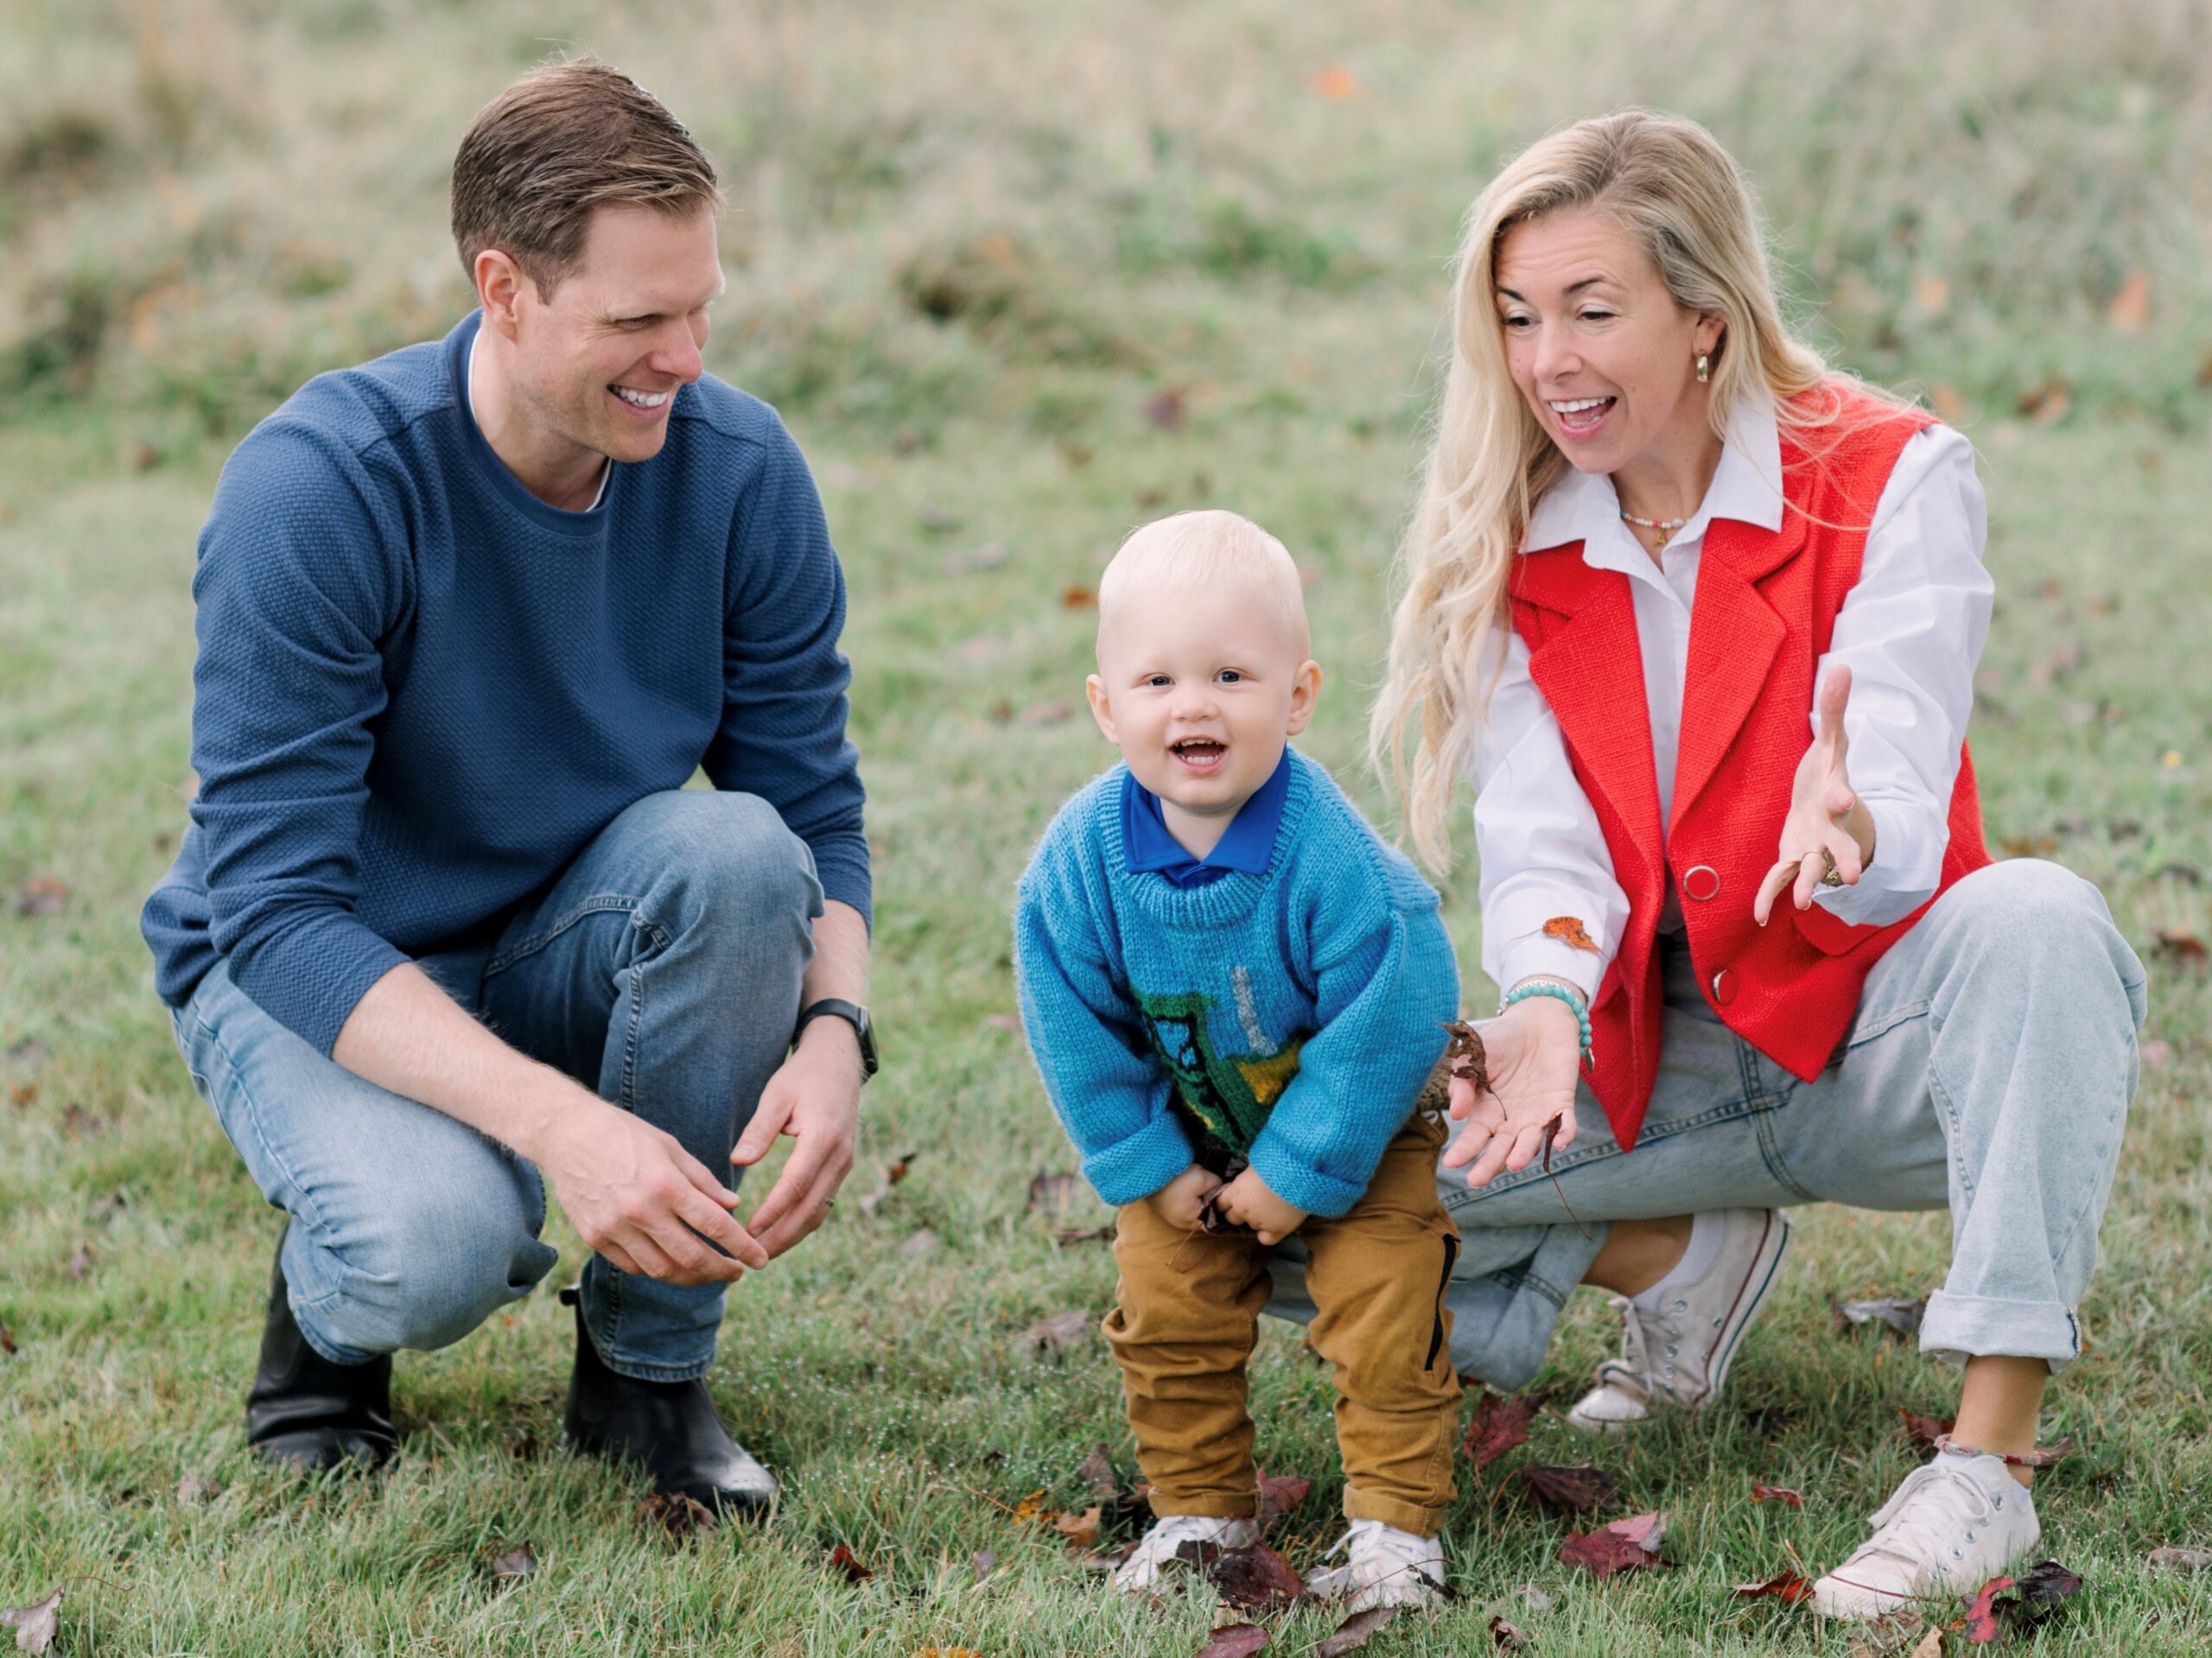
[1021,276]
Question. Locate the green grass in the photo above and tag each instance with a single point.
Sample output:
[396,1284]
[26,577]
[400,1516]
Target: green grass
[966,248]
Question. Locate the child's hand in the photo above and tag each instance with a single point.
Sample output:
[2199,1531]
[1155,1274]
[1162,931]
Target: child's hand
[1178,1201]
[1246,1201]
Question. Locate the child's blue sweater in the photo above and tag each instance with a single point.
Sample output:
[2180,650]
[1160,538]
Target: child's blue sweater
[1293,1015]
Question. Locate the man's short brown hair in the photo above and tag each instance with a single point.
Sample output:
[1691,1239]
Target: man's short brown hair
[560,142]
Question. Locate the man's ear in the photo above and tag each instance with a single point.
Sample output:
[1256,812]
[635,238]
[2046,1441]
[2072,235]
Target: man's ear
[1305,691]
[1094,688]
[498,287]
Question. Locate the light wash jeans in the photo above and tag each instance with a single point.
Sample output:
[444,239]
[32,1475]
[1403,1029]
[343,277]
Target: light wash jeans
[1989,1071]
[662,968]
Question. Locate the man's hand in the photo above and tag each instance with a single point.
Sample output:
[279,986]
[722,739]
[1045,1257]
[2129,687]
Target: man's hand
[1178,1201]
[815,1097]
[1534,1053]
[1827,821]
[641,1200]
[1246,1201]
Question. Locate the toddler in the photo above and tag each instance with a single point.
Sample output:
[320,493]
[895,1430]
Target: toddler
[1235,992]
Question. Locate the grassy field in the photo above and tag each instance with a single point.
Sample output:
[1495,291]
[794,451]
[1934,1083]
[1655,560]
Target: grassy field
[969,246]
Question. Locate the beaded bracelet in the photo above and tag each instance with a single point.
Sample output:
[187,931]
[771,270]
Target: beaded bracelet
[1557,992]
[2041,1457]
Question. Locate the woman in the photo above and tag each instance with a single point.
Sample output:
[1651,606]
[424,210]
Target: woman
[1660,544]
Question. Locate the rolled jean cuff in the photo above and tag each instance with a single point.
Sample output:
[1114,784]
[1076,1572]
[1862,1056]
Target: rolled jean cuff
[1956,1327]
[1208,1505]
[1406,1516]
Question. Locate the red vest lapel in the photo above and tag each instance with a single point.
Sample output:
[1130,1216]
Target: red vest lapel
[1579,665]
[1735,635]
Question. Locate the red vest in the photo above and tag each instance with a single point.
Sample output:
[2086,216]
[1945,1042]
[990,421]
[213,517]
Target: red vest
[1766,605]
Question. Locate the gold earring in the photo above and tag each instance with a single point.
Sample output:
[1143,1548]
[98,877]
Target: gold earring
[1704,367]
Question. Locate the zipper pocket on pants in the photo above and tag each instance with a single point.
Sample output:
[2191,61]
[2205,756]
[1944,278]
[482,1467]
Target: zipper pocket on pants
[1436,1337]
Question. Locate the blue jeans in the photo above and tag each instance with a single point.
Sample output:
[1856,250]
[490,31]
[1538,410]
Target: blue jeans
[662,968]
[1989,1071]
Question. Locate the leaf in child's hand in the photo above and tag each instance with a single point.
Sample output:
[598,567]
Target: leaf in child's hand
[1466,1058]
[1497,1425]
[1569,1490]
[1569,930]
[1214,1223]
[1233,1640]
[1777,1494]
[1279,1495]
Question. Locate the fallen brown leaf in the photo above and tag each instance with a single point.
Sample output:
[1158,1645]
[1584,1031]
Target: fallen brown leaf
[1617,1548]
[1930,1645]
[7,1339]
[982,1563]
[1253,1578]
[1569,1490]
[1164,409]
[1924,1430]
[515,1563]
[893,1171]
[35,1625]
[680,1517]
[23,1094]
[1789,1587]
[1355,1632]
[1098,1472]
[1507,1638]
[2130,310]
[1069,1235]
[1334,82]
[1056,1334]
[2046,405]
[1777,1494]
[842,1560]
[2182,946]
[1279,1495]
[1931,293]
[41,895]
[81,1261]
[2060,664]
[1081,1530]
[1049,1194]
[1233,1640]
[2181,1559]
[1497,1425]
[1078,597]
[195,1488]
[1901,1316]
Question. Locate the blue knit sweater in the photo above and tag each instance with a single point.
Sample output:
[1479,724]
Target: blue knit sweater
[1291,1015]
[422,691]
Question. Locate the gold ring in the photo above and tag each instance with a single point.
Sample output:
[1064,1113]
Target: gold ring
[1830,876]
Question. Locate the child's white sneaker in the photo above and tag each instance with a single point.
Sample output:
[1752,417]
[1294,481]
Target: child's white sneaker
[1677,1354]
[1383,1566]
[1952,1525]
[1155,1551]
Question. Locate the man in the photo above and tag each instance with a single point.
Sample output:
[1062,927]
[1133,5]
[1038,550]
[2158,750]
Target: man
[447,928]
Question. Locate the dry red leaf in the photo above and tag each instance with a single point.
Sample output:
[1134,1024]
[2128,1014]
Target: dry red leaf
[1982,1622]
[1789,1587]
[1924,1430]
[1497,1425]
[1777,1494]
[35,1625]
[41,895]
[1165,411]
[7,1339]
[1355,1632]
[23,1093]
[2182,946]
[842,1560]
[1570,1491]
[1624,1544]
[1078,597]
[1569,930]
[1279,1495]
[1253,1578]
[1233,1640]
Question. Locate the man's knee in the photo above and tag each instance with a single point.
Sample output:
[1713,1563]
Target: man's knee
[443,1258]
[724,860]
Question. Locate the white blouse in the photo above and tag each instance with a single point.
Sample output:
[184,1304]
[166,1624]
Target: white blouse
[1911,629]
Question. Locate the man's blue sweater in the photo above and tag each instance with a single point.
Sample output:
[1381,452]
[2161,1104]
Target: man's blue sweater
[1291,1015]
[420,690]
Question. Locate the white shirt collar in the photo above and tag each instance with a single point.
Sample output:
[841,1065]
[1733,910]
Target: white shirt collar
[1746,486]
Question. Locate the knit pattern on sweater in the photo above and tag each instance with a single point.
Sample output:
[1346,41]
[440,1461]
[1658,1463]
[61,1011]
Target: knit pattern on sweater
[1291,1015]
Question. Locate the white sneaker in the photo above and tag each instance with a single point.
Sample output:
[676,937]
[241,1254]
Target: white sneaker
[1383,1566]
[1679,1356]
[1154,1553]
[1950,1529]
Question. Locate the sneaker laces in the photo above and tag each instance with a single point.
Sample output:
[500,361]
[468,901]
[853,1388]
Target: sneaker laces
[1171,1531]
[1934,1507]
[1375,1550]
[1632,1371]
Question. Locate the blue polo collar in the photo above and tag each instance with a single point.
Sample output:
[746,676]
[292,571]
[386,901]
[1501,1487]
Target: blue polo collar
[1247,844]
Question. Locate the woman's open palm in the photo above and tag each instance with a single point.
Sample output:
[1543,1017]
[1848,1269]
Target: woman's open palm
[1828,825]
[1533,1053]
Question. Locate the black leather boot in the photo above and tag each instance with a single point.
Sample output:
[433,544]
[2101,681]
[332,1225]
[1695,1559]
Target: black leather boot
[304,1411]
[670,1426]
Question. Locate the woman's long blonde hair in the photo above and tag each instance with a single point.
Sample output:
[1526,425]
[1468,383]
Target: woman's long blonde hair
[1669,183]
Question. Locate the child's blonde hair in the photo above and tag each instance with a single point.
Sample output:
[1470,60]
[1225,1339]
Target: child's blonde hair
[1675,188]
[1205,548]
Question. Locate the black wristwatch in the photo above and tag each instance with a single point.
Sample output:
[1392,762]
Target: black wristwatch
[854,1014]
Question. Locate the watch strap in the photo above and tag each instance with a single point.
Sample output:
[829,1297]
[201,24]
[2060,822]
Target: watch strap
[854,1014]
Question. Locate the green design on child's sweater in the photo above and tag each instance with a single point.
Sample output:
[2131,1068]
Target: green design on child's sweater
[1229,1094]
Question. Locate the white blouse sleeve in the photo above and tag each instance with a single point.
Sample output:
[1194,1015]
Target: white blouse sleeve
[1541,850]
[1913,631]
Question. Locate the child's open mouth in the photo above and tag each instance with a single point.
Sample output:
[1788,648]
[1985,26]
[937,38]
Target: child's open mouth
[1199,754]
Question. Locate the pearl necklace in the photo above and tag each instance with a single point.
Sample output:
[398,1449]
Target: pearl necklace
[1661,528]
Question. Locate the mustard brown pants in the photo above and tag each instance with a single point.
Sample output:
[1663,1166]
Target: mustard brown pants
[1187,1315]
